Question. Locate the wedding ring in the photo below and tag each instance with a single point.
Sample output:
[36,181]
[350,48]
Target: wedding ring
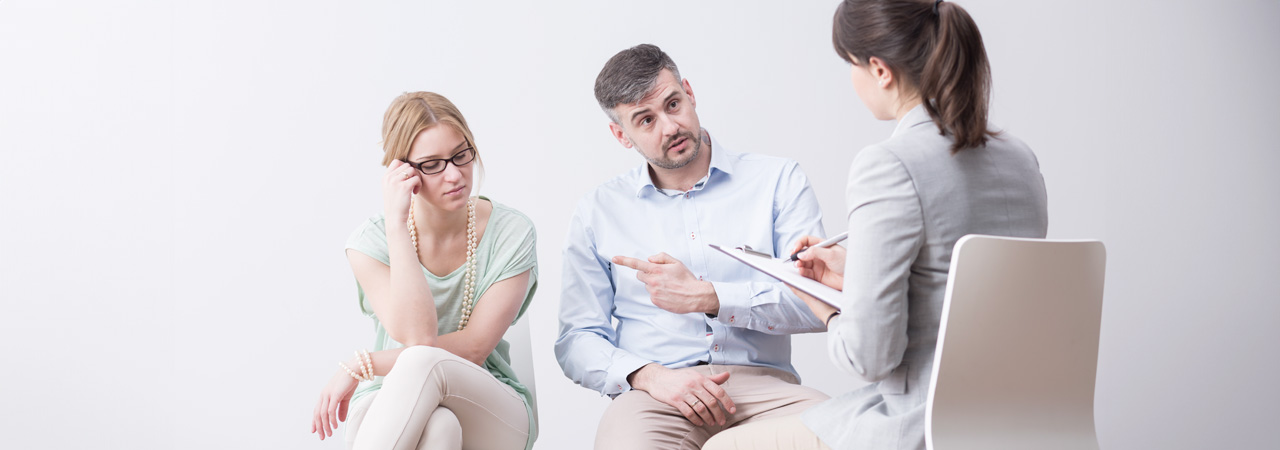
[695,403]
[405,175]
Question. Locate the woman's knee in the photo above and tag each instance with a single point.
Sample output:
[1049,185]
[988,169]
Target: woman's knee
[443,430]
[421,356]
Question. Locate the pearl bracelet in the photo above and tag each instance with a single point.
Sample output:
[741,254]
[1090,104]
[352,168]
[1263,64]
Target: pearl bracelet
[349,371]
[366,364]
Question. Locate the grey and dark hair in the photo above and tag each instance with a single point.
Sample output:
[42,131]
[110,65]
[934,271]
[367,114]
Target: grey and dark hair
[629,75]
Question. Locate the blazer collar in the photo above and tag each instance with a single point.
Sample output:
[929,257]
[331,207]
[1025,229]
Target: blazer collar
[916,116]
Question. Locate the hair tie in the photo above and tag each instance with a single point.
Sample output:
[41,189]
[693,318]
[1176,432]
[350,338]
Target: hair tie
[935,6]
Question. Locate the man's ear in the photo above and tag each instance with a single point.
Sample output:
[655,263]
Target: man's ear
[688,90]
[616,130]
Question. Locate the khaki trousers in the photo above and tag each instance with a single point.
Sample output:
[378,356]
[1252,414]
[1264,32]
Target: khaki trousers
[636,421]
[433,399]
[783,433]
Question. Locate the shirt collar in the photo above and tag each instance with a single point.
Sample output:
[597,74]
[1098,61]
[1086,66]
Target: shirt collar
[721,160]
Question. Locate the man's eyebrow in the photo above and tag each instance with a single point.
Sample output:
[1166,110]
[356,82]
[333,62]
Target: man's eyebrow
[638,112]
[673,94]
[670,95]
[456,149]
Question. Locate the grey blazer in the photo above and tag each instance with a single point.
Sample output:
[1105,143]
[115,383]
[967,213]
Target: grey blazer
[909,201]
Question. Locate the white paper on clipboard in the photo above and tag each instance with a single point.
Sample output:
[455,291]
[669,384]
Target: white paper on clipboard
[785,272]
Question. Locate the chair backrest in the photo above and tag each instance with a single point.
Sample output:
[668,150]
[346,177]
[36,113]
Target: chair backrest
[521,353]
[1017,349]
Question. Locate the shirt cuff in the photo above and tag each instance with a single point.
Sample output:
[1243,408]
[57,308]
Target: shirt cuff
[735,303]
[616,381]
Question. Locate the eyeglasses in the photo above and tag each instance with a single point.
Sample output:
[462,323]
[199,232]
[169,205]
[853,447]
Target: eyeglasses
[434,166]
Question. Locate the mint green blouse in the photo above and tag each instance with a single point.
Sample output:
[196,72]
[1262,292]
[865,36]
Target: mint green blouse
[507,248]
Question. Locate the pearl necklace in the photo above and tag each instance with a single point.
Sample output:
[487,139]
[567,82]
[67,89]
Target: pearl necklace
[469,277]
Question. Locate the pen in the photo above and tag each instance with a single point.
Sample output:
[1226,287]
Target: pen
[824,244]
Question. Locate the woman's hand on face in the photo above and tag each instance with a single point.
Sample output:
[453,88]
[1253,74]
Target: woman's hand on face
[334,400]
[399,183]
[826,265]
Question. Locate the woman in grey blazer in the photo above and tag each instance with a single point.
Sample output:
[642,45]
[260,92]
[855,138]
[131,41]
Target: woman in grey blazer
[944,173]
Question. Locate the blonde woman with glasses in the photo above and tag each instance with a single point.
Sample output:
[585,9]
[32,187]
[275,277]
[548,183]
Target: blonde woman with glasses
[443,275]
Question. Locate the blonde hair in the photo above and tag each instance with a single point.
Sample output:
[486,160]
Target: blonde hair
[412,112]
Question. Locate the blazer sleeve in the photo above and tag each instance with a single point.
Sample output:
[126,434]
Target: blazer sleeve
[886,231]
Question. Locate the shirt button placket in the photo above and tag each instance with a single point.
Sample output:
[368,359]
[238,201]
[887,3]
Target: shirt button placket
[696,262]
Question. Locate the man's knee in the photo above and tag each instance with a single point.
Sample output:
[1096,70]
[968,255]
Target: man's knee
[620,419]
[635,420]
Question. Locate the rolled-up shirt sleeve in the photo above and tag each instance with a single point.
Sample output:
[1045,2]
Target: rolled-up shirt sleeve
[772,307]
[587,345]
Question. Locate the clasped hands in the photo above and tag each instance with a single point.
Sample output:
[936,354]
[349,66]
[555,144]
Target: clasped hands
[699,398]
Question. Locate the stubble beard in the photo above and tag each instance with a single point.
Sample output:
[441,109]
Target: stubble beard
[672,164]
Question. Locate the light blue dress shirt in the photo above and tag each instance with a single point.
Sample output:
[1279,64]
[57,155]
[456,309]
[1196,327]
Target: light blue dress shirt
[761,201]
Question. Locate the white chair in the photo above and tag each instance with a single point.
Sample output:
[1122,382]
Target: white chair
[521,353]
[1018,346]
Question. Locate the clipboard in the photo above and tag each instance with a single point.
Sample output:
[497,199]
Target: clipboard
[785,272]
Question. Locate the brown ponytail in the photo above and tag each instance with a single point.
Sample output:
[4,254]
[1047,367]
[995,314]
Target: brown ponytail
[932,47]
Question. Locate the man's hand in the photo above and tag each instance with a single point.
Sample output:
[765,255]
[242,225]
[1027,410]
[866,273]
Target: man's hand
[700,399]
[671,285]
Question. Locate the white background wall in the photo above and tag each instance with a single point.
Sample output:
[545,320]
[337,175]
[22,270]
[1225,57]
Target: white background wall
[178,180]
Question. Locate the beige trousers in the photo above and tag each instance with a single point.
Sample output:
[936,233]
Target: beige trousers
[433,399]
[782,433]
[636,421]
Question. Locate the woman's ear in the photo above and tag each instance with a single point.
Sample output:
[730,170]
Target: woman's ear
[881,72]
